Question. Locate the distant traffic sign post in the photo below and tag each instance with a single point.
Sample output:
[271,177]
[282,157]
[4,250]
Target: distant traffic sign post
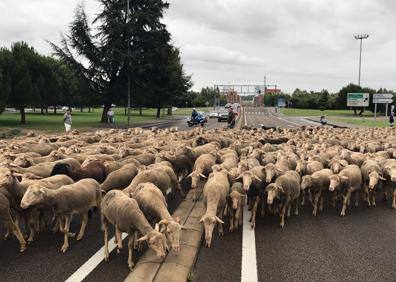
[382,98]
[358,99]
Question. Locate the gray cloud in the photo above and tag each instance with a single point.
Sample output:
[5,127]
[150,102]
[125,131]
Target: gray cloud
[297,43]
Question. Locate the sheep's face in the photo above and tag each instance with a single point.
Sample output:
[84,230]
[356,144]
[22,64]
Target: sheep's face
[209,222]
[269,172]
[374,178]
[300,168]
[306,182]
[335,182]
[6,177]
[235,197]
[35,194]
[273,191]
[156,241]
[22,162]
[172,232]
[391,172]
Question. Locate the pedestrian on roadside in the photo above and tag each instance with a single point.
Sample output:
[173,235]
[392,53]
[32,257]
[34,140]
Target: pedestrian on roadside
[231,118]
[391,119]
[67,120]
[110,116]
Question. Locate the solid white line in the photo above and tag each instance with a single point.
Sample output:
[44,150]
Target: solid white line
[93,262]
[249,263]
[245,118]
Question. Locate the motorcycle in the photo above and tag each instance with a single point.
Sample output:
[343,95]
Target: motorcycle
[199,120]
[323,120]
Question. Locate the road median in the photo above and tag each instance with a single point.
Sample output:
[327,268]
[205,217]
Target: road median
[176,266]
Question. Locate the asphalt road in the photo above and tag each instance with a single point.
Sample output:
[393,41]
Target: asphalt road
[359,247]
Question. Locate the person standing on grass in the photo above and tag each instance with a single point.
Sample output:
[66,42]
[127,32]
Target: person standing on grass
[110,116]
[67,120]
[391,119]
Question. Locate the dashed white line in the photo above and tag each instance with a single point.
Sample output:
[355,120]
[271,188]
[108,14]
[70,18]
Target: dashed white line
[244,112]
[288,121]
[249,261]
[93,262]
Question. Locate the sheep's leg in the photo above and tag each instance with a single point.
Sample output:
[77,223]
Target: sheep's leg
[357,198]
[254,211]
[345,203]
[288,209]
[119,239]
[232,219]
[14,228]
[136,243]
[262,214]
[66,233]
[105,228]
[373,204]
[131,240]
[316,200]
[296,208]
[240,217]
[394,199]
[282,215]
[303,198]
[84,221]
[321,203]
[7,235]
[221,231]
[57,224]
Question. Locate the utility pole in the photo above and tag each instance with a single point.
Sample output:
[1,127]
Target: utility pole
[128,74]
[361,37]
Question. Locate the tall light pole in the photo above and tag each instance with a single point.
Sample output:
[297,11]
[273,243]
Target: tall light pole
[361,37]
[129,78]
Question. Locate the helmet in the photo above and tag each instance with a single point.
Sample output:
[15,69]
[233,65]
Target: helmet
[193,109]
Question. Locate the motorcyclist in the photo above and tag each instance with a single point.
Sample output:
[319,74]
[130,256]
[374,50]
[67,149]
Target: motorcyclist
[194,114]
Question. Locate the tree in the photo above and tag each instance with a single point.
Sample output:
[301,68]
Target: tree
[104,55]
[24,74]
[5,77]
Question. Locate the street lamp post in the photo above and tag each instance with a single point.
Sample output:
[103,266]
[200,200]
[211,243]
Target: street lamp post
[361,37]
[129,79]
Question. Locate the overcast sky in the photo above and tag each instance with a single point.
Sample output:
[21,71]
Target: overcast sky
[307,44]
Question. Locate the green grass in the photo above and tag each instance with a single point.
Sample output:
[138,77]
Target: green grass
[367,121]
[311,112]
[83,121]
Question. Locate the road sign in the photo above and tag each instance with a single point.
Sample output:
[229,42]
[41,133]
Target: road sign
[382,96]
[358,99]
[382,101]
[281,102]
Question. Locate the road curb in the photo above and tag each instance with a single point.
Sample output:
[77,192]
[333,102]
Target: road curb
[238,125]
[175,266]
[329,123]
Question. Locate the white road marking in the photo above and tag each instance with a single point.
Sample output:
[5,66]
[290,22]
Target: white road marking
[288,121]
[249,263]
[93,262]
[244,112]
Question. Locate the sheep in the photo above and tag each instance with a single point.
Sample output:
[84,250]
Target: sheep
[283,193]
[317,184]
[95,170]
[389,173]
[182,164]
[6,218]
[76,198]
[353,157]
[348,181]
[372,176]
[153,204]
[202,168]
[336,165]
[163,177]
[119,179]
[17,191]
[235,205]
[124,213]
[275,170]
[215,194]
[308,167]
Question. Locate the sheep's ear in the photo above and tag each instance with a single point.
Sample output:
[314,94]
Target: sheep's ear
[182,227]
[177,219]
[201,220]
[280,188]
[203,176]
[157,227]
[219,220]
[190,175]
[382,178]
[239,177]
[164,222]
[42,190]
[144,238]
[258,178]
[343,177]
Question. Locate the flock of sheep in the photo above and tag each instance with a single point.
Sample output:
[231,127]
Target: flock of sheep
[128,176]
